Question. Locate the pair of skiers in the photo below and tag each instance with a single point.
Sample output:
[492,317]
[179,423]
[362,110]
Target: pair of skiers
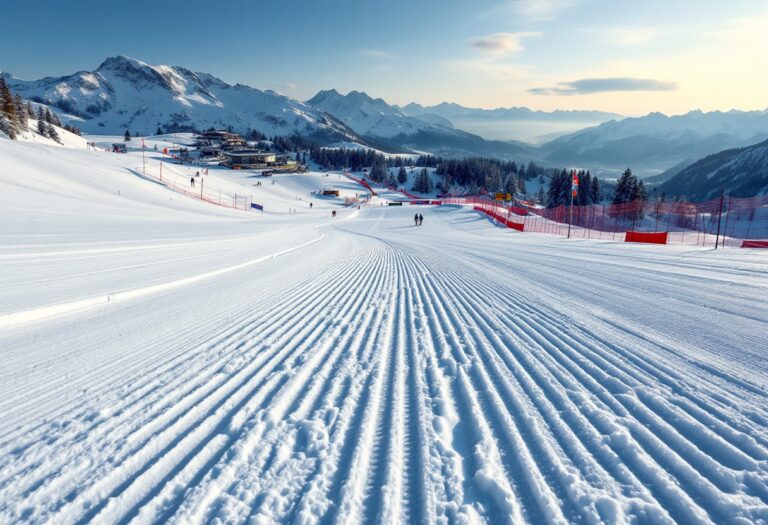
[418,219]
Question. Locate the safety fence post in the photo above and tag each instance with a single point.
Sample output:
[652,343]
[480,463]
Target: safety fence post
[719,218]
[727,214]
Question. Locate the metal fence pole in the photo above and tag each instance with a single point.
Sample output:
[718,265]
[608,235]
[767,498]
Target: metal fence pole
[719,218]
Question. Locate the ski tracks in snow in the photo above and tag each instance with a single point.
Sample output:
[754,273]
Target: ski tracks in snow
[403,380]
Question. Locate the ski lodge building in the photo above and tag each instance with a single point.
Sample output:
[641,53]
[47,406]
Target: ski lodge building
[215,143]
[245,159]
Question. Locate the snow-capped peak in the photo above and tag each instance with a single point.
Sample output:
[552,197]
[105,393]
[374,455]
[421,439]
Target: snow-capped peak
[126,93]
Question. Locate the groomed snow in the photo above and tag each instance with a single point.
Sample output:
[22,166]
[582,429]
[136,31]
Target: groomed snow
[167,360]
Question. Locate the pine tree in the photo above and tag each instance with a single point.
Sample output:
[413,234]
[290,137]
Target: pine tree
[594,190]
[640,192]
[626,188]
[378,171]
[428,183]
[402,175]
[31,111]
[127,136]
[9,122]
[48,116]
[160,131]
[21,113]
[42,128]
[493,181]
[585,183]
[531,170]
[559,190]
[52,133]
[511,185]
[422,184]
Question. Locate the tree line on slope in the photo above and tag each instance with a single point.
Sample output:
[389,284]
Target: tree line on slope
[15,114]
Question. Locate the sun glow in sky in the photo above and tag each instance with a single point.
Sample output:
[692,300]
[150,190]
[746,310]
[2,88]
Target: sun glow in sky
[631,58]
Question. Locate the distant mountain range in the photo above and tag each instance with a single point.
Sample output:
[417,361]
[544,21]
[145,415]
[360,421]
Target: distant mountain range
[387,126]
[516,123]
[656,142]
[741,172]
[124,93]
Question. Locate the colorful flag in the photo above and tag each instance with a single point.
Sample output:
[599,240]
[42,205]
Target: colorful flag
[574,183]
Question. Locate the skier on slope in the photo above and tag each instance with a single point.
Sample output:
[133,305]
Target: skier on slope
[421,219]
[192,181]
[416,220]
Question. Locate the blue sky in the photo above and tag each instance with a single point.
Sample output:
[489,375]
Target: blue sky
[632,58]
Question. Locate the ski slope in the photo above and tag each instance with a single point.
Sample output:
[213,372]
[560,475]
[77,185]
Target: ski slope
[165,360]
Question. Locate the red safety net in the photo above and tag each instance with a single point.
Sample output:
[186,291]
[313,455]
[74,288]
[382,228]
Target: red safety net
[696,223]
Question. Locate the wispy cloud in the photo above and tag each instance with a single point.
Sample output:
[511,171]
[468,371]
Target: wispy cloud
[290,86]
[629,35]
[528,9]
[541,9]
[501,43]
[587,86]
[376,53]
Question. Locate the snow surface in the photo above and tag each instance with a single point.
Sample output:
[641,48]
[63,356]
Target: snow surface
[167,360]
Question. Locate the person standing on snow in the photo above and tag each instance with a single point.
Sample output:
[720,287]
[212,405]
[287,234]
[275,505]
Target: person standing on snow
[421,219]
[416,220]
[192,181]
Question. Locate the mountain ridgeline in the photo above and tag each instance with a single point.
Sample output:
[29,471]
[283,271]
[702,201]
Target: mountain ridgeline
[127,94]
[741,172]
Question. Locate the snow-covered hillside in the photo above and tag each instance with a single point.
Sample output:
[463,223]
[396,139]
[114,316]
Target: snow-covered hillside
[125,93]
[739,172]
[165,360]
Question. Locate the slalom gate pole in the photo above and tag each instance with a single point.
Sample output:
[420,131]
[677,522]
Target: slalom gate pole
[201,188]
[719,218]
[161,171]
[570,215]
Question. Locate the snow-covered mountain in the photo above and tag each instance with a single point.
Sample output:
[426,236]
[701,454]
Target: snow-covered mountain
[369,116]
[657,142]
[125,93]
[515,123]
[741,172]
[388,126]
